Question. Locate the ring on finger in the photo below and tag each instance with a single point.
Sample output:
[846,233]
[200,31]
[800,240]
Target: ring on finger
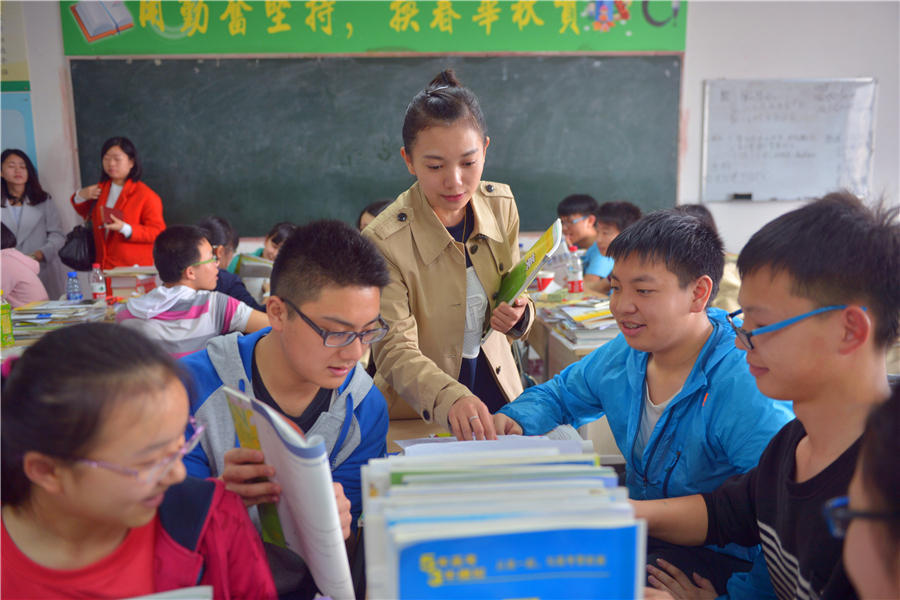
[472,418]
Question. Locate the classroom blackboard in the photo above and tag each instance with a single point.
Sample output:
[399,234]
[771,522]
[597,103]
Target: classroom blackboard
[263,140]
[786,139]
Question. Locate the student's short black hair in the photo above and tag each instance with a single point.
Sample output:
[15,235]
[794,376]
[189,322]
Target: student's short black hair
[620,214]
[325,253]
[576,204]
[127,146]
[280,232]
[699,211]
[373,209]
[836,251]
[175,249]
[686,245]
[7,238]
[219,232]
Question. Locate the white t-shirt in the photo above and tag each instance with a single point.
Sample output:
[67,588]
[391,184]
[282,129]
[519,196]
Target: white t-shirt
[476,305]
[650,415]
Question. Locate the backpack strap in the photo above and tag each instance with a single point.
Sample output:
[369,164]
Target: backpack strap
[185,510]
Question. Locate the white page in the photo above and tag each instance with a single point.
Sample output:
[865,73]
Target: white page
[307,508]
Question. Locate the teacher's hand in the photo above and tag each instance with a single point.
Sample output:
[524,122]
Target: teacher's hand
[505,316]
[91,192]
[470,419]
[115,223]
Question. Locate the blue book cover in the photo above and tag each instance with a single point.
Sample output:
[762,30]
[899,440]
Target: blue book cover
[564,563]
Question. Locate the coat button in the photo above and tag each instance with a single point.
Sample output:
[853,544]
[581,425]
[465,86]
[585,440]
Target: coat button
[426,415]
[495,296]
[473,248]
[497,370]
[501,266]
[401,217]
[489,187]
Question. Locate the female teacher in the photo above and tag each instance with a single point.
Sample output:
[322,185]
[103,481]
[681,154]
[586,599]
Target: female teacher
[126,214]
[447,241]
[32,217]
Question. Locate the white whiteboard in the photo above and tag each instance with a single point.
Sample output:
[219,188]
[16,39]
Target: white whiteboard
[786,139]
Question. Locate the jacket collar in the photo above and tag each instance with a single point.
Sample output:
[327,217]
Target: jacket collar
[430,235]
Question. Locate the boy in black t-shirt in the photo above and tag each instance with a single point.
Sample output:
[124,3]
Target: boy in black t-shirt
[820,293]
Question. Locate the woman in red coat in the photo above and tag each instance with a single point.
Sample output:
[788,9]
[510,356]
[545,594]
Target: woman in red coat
[126,214]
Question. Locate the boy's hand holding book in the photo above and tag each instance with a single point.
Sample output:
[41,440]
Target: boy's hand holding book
[247,475]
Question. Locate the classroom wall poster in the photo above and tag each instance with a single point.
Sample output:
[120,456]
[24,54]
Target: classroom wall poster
[15,100]
[198,27]
[14,74]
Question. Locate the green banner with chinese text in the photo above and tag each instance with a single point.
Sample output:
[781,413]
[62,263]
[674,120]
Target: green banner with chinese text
[187,27]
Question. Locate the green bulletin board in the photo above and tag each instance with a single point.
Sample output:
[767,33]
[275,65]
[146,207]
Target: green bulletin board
[350,26]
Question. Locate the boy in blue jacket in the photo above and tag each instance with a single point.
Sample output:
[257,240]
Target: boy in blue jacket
[324,313]
[681,404]
[820,297]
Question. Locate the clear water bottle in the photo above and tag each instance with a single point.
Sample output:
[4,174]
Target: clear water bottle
[73,288]
[98,282]
[575,278]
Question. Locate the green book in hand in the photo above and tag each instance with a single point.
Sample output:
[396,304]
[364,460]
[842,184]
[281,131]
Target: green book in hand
[517,279]
[520,276]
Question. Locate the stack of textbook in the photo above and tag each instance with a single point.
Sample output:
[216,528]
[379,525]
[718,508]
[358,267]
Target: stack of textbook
[529,523]
[587,323]
[34,319]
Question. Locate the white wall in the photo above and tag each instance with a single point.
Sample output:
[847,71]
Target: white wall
[54,126]
[789,40]
[724,39]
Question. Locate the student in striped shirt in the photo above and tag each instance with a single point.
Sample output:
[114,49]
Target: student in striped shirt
[820,291]
[185,312]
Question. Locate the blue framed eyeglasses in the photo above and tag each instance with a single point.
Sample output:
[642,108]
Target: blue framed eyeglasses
[838,514]
[154,473]
[339,339]
[575,221]
[744,336]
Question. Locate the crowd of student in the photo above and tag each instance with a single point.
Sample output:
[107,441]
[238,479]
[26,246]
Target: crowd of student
[760,444]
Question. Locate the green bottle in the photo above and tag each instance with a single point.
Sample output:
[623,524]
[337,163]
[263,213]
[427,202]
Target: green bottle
[6,331]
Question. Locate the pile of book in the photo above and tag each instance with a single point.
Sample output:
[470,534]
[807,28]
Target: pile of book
[127,282]
[529,523]
[586,323]
[34,319]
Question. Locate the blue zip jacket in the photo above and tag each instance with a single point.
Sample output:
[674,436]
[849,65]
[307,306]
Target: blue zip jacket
[354,427]
[715,427]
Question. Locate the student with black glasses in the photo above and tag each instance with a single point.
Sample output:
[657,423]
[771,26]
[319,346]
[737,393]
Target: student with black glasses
[324,312]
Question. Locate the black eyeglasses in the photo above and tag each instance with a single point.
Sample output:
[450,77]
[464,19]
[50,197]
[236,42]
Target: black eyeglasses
[838,515]
[338,339]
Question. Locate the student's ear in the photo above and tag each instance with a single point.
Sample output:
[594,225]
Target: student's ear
[43,471]
[408,160]
[487,142]
[856,329]
[277,311]
[189,274]
[702,288]
[592,221]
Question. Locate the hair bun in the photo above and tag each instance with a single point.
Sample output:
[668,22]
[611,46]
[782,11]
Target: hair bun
[446,78]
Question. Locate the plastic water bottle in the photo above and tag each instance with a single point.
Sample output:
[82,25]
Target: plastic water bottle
[98,282]
[73,288]
[575,277]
